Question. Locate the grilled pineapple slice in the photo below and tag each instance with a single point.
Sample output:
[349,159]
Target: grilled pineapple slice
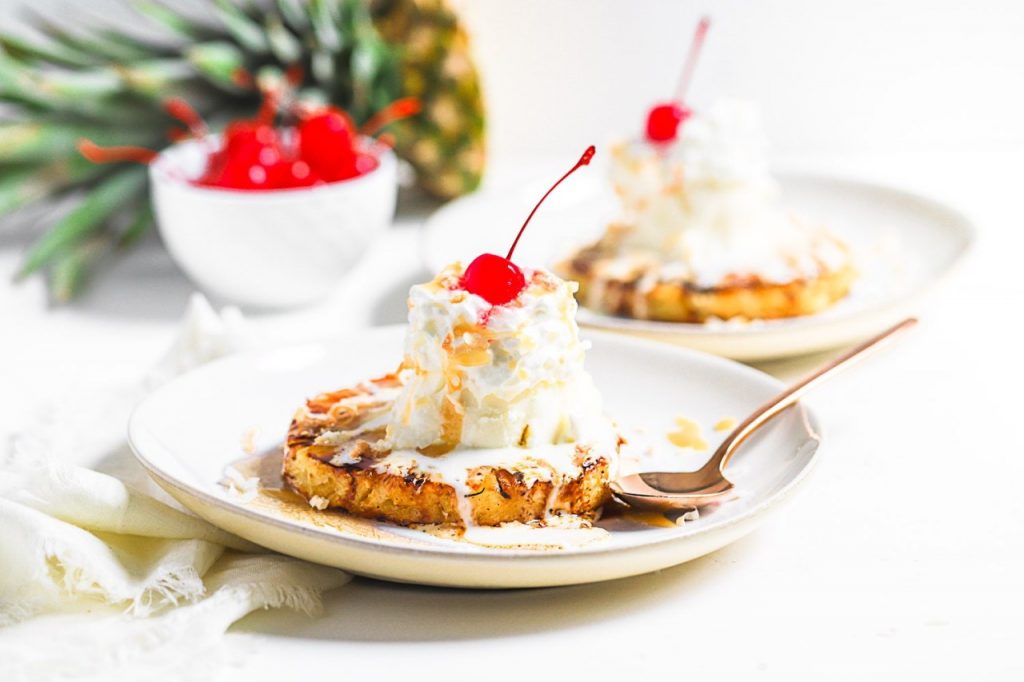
[336,444]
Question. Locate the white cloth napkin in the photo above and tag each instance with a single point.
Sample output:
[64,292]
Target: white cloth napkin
[83,540]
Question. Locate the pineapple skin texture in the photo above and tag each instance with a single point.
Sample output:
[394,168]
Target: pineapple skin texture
[110,87]
[445,144]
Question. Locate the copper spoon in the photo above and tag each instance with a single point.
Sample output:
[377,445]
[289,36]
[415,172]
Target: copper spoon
[675,490]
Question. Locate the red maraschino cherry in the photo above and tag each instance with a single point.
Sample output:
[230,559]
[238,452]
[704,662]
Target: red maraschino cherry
[254,154]
[326,142]
[664,120]
[288,174]
[497,279]
[329,141]
[250,150]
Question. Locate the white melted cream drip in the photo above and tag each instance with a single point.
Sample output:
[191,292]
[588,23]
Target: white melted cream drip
[557,464]
[708,207]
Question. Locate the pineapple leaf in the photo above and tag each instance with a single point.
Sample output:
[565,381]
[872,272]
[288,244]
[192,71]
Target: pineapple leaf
[145,47]
[83,79]
[100,50]
[220,62]
[42,141]
[364,65]
[141,224]
[313,96]
[71,269]
[326,31]
[16,84]
[155,78]
[294,14]
[173,21]
[25,50]
[17,188]
[57,90]
[247,32]
[84,219]
[372,76]
[72,86]
[23,184]
[322,64]
[270,78]
[283,44]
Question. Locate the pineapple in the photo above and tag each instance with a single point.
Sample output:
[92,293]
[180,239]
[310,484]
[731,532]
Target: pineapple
[109,86]
[446,145]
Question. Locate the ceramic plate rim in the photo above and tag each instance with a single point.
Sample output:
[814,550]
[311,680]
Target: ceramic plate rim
[166,479]
[964,225]
[958,223]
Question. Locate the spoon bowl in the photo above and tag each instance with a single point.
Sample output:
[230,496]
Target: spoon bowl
[665,491]
[659,491]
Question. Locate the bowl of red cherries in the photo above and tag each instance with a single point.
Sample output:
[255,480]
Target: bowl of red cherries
[275,210]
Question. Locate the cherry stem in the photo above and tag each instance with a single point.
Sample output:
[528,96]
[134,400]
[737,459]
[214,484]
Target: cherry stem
[97,154]
[400,108]
[182,111]
[178,135]
[691,58]
[584,160]
[268,107]
[243,78]
[294,75]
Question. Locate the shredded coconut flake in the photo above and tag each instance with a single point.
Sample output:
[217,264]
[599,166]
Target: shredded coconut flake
[688,516]
[239,487]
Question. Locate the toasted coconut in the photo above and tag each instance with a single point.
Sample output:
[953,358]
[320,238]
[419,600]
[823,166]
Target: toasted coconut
[337,440]
[644,294]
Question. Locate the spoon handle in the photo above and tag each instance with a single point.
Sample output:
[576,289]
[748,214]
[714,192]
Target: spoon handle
[791,395]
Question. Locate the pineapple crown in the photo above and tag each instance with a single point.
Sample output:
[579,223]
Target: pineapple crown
[111,85]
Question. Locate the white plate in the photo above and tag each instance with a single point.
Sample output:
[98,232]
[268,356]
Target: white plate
[903,244]
[190,429]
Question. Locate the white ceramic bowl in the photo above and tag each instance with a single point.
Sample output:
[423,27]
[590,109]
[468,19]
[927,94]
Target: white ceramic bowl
[274,248]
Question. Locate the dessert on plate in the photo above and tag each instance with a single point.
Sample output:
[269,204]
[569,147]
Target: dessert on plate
[491,417]
[703,233]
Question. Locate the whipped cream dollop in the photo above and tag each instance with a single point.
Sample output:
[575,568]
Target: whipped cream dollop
[707,207]
[477,375]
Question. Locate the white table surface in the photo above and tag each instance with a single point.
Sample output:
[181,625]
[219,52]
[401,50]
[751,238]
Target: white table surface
[902,559]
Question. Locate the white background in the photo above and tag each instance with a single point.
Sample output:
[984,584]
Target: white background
[865,76]
[829,75]
[903,557]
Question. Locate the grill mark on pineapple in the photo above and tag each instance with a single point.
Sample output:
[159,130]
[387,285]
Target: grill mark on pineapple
[501,488]
[362,490]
